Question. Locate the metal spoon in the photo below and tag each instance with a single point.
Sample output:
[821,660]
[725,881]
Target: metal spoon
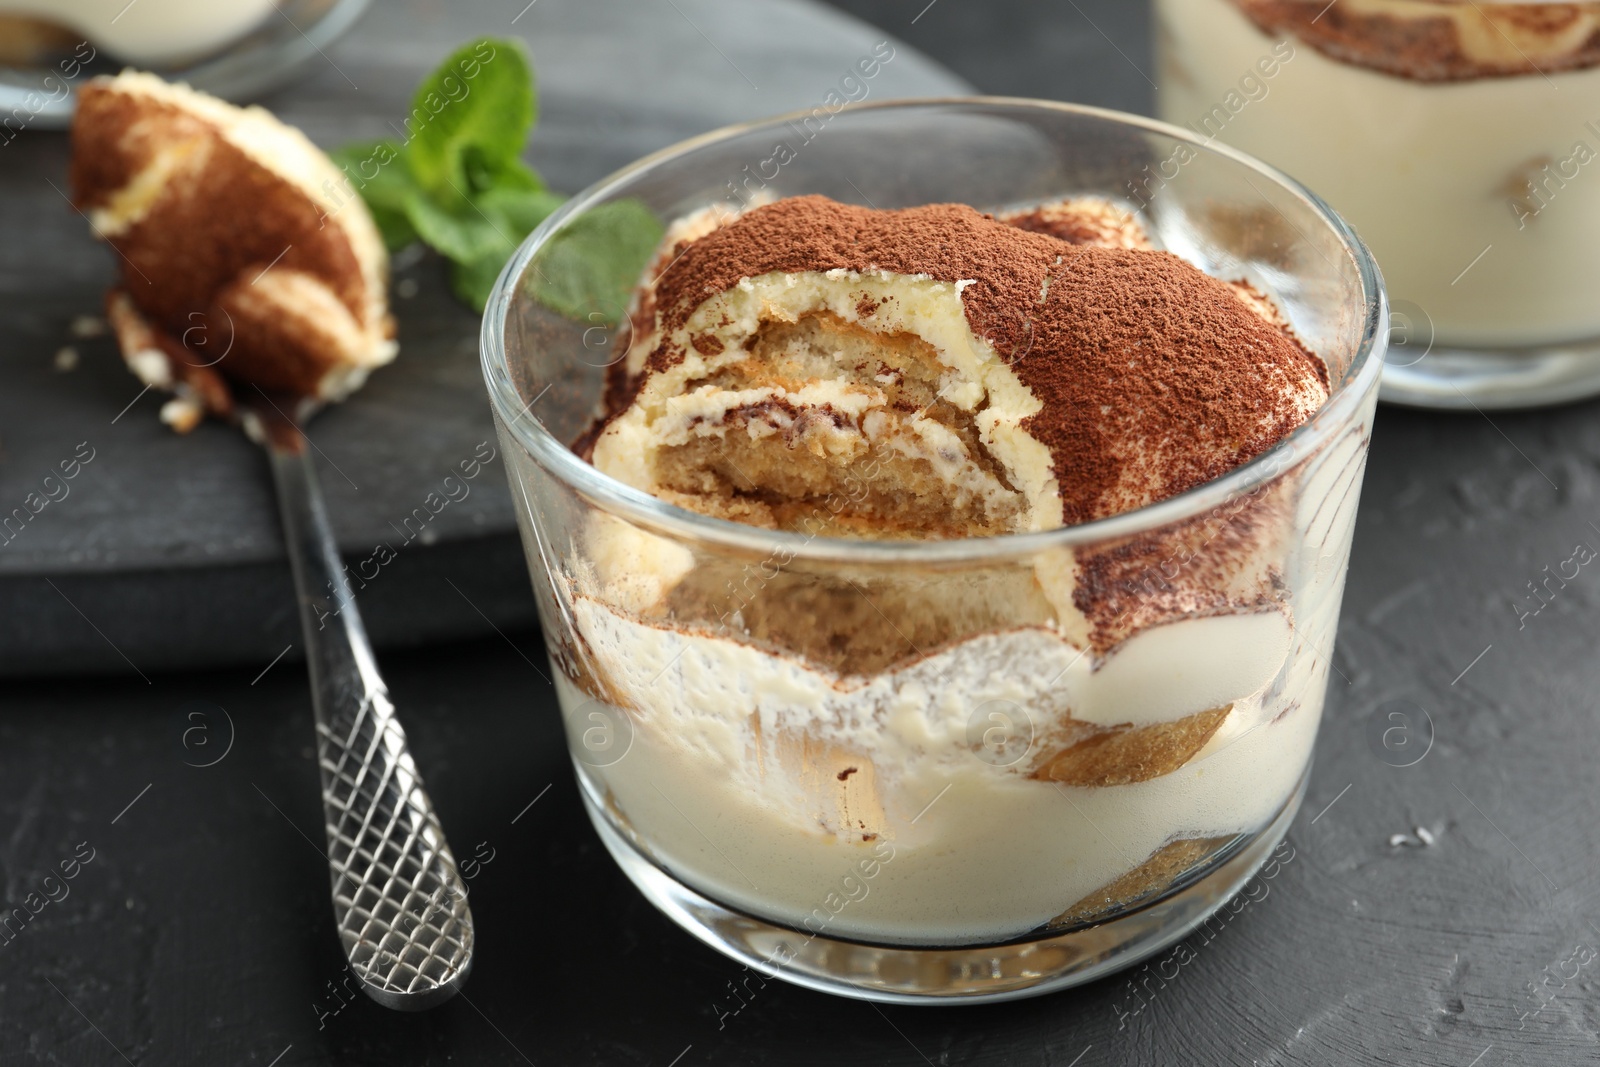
[399,900]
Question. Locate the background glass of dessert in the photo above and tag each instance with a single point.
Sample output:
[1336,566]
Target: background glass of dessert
[235,50]
[966,769]
[1458,138]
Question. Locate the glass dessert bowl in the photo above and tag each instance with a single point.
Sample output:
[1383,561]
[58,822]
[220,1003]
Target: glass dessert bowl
[879,672]
[1457,138]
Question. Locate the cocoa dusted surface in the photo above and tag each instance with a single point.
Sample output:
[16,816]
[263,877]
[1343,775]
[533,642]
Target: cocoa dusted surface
[1111,227]
[1128,349]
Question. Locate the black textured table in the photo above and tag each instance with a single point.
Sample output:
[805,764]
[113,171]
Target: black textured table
[1441,913]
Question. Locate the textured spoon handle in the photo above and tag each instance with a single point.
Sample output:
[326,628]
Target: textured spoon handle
[398,898]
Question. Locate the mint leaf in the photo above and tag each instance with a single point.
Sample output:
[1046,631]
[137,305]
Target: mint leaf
[512,214]
[470,119]
[518,175]
[378,170]
[473,280]
[461,234]
[481,236]
[457,182]
[591,266]
[518,211]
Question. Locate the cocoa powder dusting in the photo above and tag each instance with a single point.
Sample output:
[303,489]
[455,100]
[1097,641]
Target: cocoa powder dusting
[1063,227]
[1137,350]
[1109,226]
[1133,354]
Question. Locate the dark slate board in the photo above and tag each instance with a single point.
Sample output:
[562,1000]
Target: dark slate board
[165,552]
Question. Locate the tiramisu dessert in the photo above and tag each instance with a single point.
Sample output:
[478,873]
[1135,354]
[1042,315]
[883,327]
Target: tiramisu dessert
[1014,748]
[1458,137]
[242,266]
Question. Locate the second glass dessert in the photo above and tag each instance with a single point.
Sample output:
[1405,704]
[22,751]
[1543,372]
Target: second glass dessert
[943,604]
[1459,138]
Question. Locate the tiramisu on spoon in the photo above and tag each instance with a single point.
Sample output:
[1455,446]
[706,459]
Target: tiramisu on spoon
[252,291]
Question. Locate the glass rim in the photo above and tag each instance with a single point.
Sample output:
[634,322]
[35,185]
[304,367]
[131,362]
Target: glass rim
[636,505]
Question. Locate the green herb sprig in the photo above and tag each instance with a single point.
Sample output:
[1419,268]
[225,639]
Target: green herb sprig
[457,183]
